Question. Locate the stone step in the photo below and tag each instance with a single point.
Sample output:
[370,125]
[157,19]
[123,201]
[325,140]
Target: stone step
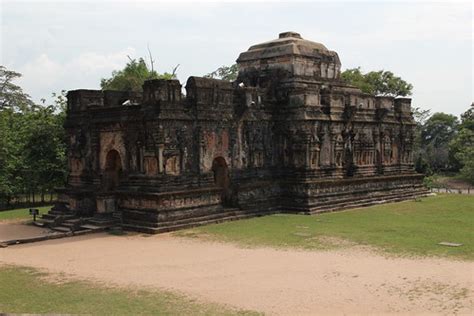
[68,216]
[364,203]
[59,213]
[192,223]
[329,198]
[73,220]
[67,224]
[63,229]
[336,204]
[48,216]
[47,221]
[92,227]
[379,196]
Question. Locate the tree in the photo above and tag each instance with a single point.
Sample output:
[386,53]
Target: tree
[421,164]
[228,73]
[32,141]
[461,148]
[436,134]
[11,95]
[132,77]
[439,129]
[381,82]
[44,150]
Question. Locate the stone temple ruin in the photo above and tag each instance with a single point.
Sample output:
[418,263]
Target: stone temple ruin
[287,136]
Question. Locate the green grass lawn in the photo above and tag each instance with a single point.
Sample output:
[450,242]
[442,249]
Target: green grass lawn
[22,213]
[24,290]
[405,228]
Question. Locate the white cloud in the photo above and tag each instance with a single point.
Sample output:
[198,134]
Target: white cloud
[46,74]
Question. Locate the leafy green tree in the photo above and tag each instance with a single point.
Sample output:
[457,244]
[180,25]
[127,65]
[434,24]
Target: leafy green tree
[32,141]
[384,83]
[436,134]
[421,164]
[439,129]
[462,146]
[44,149]
[11,95]
[5,186]
[228,73]
[13,103]
[132,77]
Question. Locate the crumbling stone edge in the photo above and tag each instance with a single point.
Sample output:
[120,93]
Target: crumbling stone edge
[13,242]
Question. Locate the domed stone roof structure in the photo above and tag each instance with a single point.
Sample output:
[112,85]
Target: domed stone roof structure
[292,53]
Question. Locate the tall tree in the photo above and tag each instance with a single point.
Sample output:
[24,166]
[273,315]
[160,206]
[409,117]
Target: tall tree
[436,134]
[462,146]
[382,82]
[12,95]
[421,163]
[133,75]
[32,144]
[44,149]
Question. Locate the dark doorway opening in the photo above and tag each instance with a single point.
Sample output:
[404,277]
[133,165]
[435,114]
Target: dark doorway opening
[113,170]
[222,180]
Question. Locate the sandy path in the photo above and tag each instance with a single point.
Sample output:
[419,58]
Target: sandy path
[10,230]
[268,280]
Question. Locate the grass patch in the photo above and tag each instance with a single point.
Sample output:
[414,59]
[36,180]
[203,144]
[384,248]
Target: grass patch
[22,213]
[405,228]
[25,290]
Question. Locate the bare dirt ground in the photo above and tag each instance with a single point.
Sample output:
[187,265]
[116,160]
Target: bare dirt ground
[286,282]
[10,230]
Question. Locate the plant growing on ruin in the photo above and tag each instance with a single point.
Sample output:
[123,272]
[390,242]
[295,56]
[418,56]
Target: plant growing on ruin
[228,73]
[382,82]
[133,75]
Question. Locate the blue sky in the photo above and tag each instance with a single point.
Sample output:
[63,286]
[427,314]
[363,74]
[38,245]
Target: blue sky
[71,45]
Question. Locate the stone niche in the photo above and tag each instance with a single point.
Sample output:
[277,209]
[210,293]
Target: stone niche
[112,140]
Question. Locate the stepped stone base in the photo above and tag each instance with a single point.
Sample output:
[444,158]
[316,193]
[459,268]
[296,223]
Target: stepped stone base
[165,212]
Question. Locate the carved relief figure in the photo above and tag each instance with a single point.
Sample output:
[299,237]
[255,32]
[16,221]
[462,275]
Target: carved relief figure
[387,149]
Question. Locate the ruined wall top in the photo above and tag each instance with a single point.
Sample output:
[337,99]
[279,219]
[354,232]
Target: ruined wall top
[293,54]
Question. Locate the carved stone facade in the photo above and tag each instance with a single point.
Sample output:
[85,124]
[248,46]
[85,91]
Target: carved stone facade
[288,135]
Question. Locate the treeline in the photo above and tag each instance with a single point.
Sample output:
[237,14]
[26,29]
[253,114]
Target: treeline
[445,144]
[32,145]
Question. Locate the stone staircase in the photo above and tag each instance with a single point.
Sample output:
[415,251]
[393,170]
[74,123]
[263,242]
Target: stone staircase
[66,221]
[57,215]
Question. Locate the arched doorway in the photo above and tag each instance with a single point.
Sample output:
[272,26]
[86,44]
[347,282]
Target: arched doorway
[221,179]
[113,170]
